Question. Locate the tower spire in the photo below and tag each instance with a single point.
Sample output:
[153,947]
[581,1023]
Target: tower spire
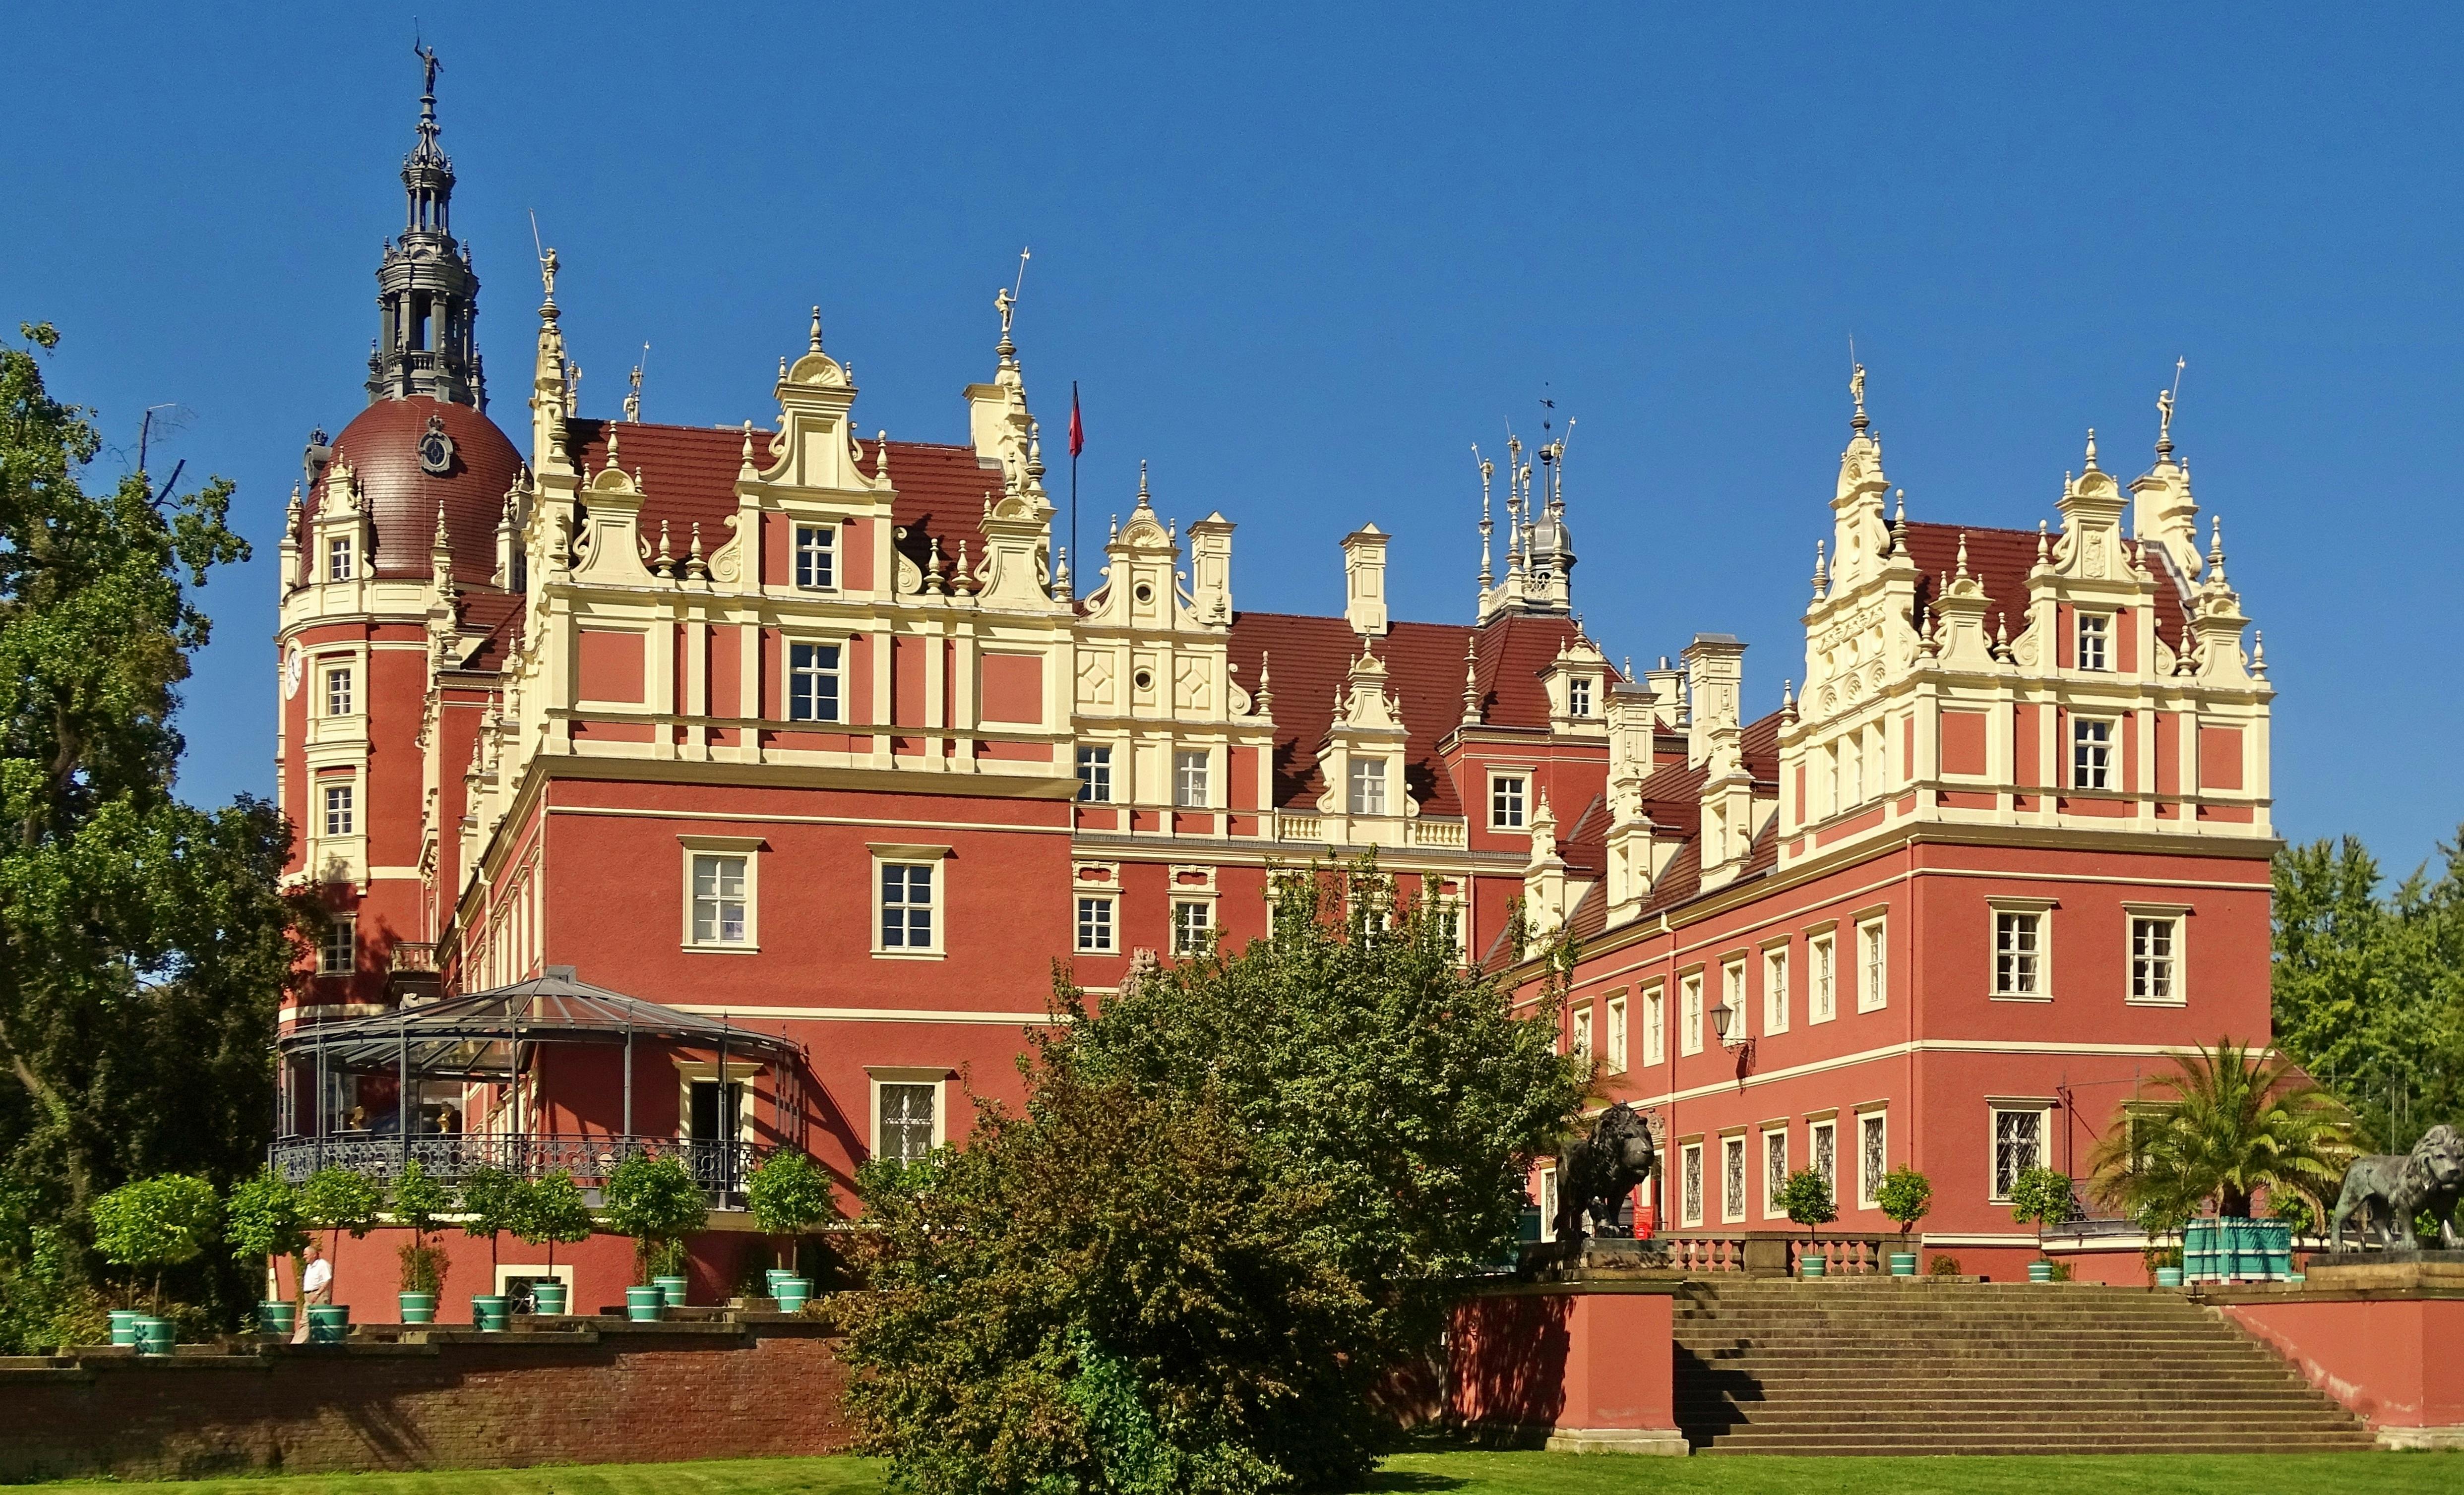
[427,343]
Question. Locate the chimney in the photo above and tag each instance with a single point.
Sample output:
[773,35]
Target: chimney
[1715,673]
[1364,580]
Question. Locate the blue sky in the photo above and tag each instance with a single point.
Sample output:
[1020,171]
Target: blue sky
[1302,257]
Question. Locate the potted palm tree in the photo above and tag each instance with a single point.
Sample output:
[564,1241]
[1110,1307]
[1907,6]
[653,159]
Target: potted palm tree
[2041,1196]
[2228,1125]
[550,1211]
[420,1200]
[789,1194]
[262,1221]
[490,1205]
[1806,1197]
[1905,1197]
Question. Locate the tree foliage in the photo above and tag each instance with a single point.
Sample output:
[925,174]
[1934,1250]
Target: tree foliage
[1805,1197]
[264,1219]
[657,1202]
[491,1202]
[156,1222]
[143,942]
[1235,1199]
[2369,989]
[1905,1197]
[2041,1196]
[420,1201]
[336,1200]
[550,1212]
[2227,1125]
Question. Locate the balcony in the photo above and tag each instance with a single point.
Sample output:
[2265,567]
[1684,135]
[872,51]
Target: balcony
[718,1166]
[410,973]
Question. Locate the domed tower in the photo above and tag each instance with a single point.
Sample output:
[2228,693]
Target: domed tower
[398,512]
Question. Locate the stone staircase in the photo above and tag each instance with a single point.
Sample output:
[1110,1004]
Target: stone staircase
[1878,1366]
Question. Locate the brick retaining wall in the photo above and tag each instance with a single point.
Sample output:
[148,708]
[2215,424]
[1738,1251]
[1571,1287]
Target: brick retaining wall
[557,1391]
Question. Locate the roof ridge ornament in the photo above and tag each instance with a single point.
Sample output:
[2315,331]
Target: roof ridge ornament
[1857,422]
[2165,398]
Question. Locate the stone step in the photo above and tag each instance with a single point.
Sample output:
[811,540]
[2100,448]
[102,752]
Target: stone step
[1924,1447]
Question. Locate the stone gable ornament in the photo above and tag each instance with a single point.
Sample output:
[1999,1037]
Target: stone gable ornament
[435,449]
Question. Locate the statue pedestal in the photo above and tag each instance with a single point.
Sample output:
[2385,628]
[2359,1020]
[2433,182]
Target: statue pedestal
[1586,1367]
[2377,1330]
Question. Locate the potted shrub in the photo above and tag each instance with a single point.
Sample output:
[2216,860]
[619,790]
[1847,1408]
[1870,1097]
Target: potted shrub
[2042,1197]
[550,1211]
[262,1221]
[1906,1197]
[656,1202]
[419,1201]
[490,1205]
[1806,1197]
[335,1200]
[2159,1224]
[789,1194]
[155,1223]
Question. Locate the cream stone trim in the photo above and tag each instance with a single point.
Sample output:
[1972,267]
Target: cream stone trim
[926,1014]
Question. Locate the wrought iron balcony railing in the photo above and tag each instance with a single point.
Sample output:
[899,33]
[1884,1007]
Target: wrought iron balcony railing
[715,1165]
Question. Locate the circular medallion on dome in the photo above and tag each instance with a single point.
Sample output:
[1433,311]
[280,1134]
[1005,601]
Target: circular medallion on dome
[435,449]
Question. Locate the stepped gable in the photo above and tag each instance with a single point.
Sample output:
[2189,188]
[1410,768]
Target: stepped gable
[687,476]
[1425,662]
[381,446]
[2003,558]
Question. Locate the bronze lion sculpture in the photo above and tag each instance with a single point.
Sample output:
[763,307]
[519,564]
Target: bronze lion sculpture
[2385,1192]
[1598,1171]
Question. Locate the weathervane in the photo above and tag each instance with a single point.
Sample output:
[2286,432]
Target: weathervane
[2165,409]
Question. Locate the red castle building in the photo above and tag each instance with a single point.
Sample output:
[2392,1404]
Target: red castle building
[708,790]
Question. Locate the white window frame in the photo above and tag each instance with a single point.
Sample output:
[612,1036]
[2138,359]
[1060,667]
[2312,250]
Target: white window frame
[2100,635]
[1579,695]
[2092,761]
[747,848]
[1690,1015]
[1873,963]
[338,552]
[1689,1182]
[1822,976]
[1614,1046]
[882,1077]
[1869,1178]
[936,946]
[816,672]
[1853,745]
[340,818]
[1106,925]
[1366,789]
[1733,993]
[1549,1204]
[2177,917]
[1816,1128]
[1654,1025]
[1737,1181]
[343,937]
[1774,1131]
[1775,994]
[1510,801]
[340,700]
[1094,772]
[1193,779]
[1184,940]
[810,542]
[1998,1191]
[2002,981]
[1578,1031]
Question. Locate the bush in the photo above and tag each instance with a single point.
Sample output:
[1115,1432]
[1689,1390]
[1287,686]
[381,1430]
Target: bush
[1943,1266]
[156,1222]
[1905,1197]
[2296,1212]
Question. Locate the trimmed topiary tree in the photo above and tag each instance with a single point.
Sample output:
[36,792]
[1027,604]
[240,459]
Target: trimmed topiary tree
[263,1220]
[789,1194]
[491,1200]
[155,1222]
[336,1200]
[1806,1197]
[1905,1197]
[550,1211]
[657,1202]
[420,1201]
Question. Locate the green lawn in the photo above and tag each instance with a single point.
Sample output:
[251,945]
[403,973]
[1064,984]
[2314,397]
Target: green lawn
[1470,1473]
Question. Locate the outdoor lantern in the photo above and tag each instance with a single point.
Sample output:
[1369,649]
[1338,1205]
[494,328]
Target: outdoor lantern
[1721,1017]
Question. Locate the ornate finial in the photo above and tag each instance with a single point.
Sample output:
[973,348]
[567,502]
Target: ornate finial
[1143,495]
[783,368]
[2091,451]
[932,570]
[2001,636]
[1963,553]
[2258,652]
[1821,572]
[816,346]
[442,543]
[1471,680]
[665,561]
[1487,469]
[2044,544]
[1114,533]
[1034,453]
[880,456]
[747,457]
[1060,575]
[1857,391]
[2164,412]
[2216,550]
[958,578]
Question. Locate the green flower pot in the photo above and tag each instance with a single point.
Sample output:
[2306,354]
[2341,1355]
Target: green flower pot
[793,1293]
[642,1305]
[2169,1277]
[417,1308]
[156,1335]
[489,1313]
[548,1297]
[1904,1264]
[328,1323]
[1811,1268]
[774,1276]
[124,1326]
[671,1289]
[277,1318]
[2040,1271]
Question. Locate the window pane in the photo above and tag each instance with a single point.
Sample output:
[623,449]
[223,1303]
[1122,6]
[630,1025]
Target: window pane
[2014,1146]
[1095,775]
[1870,1178]
[1775,1164]
[906,1130]
[815,555]
[1826,1161]
[1732,1172]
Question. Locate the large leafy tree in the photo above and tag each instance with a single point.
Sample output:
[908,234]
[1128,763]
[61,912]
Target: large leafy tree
[2369,989]
[1240,1194]
[143,941]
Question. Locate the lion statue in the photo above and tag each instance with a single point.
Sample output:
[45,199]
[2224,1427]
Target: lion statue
[1598,1171]
[2384,1192]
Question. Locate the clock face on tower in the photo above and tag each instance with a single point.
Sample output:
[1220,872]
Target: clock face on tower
[293,666]
[436,448]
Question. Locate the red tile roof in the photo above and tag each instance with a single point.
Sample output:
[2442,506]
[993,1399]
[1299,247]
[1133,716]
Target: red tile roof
[2001,559]
[1425,662]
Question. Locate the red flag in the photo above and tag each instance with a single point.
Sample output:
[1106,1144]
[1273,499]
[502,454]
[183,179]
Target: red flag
[1077,431]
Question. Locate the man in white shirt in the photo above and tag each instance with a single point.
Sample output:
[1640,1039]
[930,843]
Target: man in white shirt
[316,1286]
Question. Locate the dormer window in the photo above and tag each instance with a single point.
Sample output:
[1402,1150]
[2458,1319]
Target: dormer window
[816,557]
[2091,641]
[1368,786]
[1578,696]
[1506,794]
[338,559]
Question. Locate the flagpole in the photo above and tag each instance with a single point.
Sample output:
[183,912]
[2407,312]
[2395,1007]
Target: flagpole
[1077,562]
